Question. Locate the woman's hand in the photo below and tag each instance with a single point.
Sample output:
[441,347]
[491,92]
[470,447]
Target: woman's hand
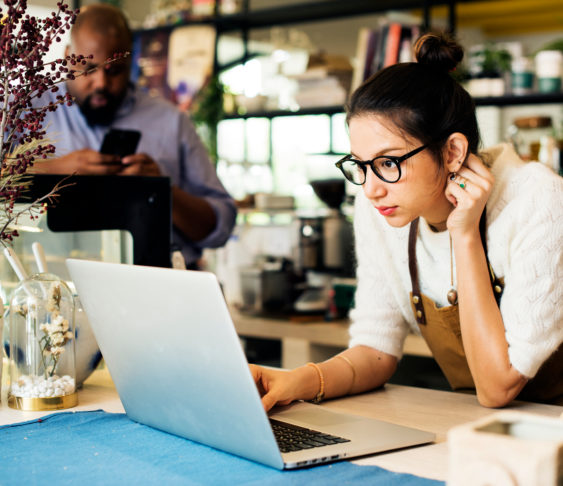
[469,200]
[364,368]
[276,387]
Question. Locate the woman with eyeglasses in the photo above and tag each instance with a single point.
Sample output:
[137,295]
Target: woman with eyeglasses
[459,245]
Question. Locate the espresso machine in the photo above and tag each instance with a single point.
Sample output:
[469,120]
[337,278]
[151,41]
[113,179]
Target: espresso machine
[325,247]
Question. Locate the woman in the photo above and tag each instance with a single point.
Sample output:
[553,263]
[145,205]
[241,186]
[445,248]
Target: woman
[436,225]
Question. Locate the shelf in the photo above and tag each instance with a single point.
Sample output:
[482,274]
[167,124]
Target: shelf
[311,12]
[525,16]
[508,100]
[318,110]
[167,27]
[513,100]
[304,12]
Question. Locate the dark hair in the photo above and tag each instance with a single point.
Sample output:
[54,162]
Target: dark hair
[421,98]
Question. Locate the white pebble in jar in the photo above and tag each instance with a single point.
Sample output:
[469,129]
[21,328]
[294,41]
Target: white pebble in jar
[38,386]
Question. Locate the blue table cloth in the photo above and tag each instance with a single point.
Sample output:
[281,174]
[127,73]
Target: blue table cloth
[83,448]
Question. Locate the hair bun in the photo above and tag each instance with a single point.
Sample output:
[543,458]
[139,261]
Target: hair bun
[438,51]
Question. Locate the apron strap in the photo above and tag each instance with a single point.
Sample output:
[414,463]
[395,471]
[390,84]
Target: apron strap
[413,270]
[496,284]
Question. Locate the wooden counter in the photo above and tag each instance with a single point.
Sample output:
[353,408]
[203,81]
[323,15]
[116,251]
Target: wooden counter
[314,340]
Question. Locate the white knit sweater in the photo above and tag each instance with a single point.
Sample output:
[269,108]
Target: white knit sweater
[525,246]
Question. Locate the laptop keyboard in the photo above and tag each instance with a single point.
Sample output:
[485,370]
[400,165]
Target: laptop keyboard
[292,438]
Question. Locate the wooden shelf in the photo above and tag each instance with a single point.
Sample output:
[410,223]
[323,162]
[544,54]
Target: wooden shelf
[508,100]
[305,12]
[312,12]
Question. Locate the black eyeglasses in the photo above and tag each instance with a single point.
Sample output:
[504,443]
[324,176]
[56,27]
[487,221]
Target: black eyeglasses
[386,167]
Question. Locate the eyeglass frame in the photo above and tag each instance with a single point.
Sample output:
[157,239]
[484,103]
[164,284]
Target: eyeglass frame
[364,163]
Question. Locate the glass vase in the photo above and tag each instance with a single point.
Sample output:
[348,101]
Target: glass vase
[42,345]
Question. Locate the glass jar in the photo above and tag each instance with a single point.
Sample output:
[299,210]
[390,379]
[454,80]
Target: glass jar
[549,68]
[42,340]
[522,76]
[526,134]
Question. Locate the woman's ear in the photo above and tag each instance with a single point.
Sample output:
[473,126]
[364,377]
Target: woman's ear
[455,151]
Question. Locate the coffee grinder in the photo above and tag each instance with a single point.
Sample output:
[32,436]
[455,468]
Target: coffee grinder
[325,246]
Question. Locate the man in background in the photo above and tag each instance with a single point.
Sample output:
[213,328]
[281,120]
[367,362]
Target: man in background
[203,213]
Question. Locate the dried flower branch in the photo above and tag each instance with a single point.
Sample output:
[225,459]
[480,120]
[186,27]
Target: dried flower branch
[24,78]
[56,332]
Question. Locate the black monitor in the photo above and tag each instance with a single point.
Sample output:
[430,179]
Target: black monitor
[138,204]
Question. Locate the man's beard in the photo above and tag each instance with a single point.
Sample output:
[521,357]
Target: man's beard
[102,115]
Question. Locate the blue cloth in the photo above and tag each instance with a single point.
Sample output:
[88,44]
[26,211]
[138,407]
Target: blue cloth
[104,448]
[168,137]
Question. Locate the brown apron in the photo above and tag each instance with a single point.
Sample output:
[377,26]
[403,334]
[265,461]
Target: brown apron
[441,330]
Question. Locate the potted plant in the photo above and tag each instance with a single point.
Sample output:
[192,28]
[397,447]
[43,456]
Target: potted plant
[207,111]
[488,65]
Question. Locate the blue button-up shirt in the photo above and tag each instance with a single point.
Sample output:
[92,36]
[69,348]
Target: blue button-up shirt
[169,138]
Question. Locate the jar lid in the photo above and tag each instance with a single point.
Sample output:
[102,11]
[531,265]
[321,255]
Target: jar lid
[533,122]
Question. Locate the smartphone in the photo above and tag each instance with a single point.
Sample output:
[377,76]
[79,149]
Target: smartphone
[120,142]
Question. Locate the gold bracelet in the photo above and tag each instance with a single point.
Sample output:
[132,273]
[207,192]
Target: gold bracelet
[345,358]
[320,395]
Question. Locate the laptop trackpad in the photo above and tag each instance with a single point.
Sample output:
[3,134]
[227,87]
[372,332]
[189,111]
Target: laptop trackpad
[314,416]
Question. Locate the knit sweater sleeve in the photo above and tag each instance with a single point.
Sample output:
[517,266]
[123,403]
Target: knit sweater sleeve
[531,224]
[376,318]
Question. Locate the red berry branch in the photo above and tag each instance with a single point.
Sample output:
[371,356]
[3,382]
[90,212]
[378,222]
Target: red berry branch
[24,78]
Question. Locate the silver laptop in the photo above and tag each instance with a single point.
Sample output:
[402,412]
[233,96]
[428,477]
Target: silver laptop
[178,365]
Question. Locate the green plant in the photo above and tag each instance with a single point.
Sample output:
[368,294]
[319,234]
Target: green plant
[492,60]
[208,111]
[556,45]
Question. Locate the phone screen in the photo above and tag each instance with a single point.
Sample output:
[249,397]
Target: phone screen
[120,142]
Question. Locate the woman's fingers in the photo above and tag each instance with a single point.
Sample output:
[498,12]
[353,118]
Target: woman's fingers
[476,165]
[256,372]
[474,178]
[462,186]
[268,401]
[474,173]
[271,386]
[470,189]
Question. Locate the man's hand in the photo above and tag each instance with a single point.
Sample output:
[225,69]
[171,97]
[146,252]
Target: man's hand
[139,164]
[80,162]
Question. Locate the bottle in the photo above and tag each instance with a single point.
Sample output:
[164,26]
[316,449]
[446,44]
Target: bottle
[549,152]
